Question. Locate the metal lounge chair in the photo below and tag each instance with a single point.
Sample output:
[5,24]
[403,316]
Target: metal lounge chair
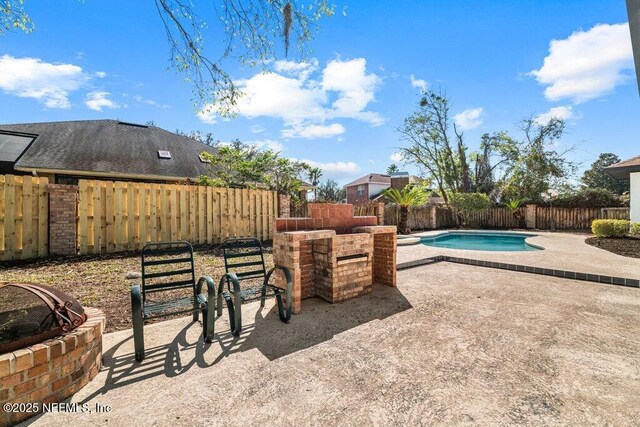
[244,261]
[168,266]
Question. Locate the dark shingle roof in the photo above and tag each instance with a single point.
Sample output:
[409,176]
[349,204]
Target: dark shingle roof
[109,146]
[621,170]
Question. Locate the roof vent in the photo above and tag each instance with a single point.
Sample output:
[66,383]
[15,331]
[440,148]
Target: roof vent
[203,159]
[135,125]
[164,154]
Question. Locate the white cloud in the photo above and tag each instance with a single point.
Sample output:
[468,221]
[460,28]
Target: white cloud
[344,89]
[337,170]
[587,64]
[271,144]
[149,102]
[101,74]
[98,100]
[313,131]
[49,83]
[469,119]
[207,115]
[396,157]
[301,70]
[257,129]
[419,83]
[564,112]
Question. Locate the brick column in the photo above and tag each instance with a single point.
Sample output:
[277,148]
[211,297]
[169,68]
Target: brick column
[284,206]
[62,219]
[380,213]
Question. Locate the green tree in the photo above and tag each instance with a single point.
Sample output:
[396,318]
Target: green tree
[14,17]
[393,168]
[284,175]
[595,176]
[237,165]
[330,191]
[411,195]
[314,175]
[467,204]
[255,33]
[437,147]
[535,164]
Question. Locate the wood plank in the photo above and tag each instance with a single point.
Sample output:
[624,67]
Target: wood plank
[90,217]
[201,210]
[2,212]
[154,231]
[9,218]
[143,232]
[98,212]
[83,228]
[164,213]
[209,214]
[224,214]
[264,212]
[110,236]
[174,209]
[27,217]
[188,211]
[18,216]
[237,212]
[43,217]
[133,240]
[120,225]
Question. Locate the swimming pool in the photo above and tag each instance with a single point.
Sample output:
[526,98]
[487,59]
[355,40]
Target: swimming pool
[487,241]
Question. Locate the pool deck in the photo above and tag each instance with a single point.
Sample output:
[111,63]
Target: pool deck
[562,251]
[451,345]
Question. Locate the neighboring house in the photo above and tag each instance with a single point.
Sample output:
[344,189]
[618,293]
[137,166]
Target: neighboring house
[629,169]
[370,187]
[100,149]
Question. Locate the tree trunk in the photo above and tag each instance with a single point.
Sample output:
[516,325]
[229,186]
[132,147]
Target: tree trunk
[402,224]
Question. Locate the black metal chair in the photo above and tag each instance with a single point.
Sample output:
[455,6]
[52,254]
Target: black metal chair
[168,266]
[244,261]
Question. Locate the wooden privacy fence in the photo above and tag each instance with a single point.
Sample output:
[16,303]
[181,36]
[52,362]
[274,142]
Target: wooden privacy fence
[544,218]
[121,216]
[24,209]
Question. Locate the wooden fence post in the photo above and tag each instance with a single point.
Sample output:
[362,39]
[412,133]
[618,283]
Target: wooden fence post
[530,216]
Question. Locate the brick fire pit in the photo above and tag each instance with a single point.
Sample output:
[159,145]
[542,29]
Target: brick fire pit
[333,254]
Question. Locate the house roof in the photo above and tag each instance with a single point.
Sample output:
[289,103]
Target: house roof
[621,170]
[108,147]
[372,178]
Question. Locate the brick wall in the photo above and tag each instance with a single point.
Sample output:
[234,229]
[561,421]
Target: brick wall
[323,216]
[62,219]
[53,370]
[353,197]
[399,182]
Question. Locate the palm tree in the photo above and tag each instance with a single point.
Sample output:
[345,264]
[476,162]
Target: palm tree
[513,205]
[408,196]
[314,175]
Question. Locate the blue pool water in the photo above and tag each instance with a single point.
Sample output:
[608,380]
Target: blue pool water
[480,241]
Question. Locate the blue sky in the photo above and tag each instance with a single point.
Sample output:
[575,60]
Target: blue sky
[340,108]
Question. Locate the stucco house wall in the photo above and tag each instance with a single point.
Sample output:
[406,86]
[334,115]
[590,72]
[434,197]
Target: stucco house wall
[635,196]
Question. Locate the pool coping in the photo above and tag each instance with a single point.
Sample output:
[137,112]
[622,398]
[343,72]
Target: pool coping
[565,274]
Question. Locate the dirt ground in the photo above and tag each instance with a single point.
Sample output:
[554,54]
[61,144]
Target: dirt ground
[625,247]
[100,281]
[452,345]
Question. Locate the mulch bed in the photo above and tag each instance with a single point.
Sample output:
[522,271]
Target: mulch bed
[628,247]
[99,281]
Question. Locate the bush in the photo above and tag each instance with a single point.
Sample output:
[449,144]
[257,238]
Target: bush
[634,229]
[610,227]
[589,198]
[468,203]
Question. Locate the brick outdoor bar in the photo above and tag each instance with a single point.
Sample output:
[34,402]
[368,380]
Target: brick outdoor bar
[334,255]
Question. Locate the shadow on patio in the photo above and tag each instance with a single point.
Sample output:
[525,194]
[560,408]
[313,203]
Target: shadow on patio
[318,322]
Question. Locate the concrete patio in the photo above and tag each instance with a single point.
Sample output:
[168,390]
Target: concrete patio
[453,344]
[563,251]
